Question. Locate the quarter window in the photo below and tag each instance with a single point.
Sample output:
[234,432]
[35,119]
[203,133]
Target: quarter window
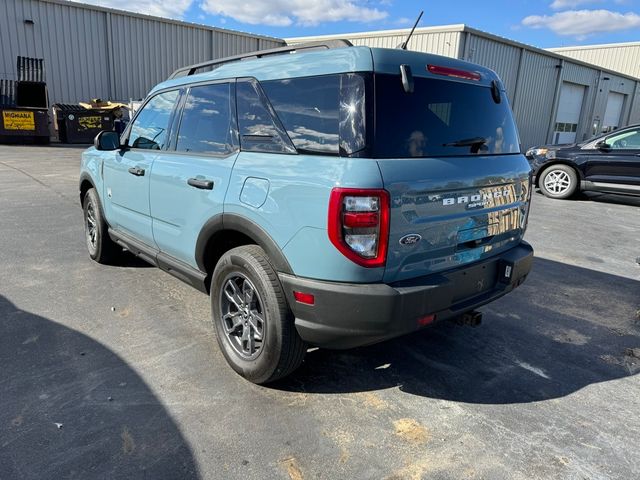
[207,125]
[259,130]
[308,108]
[149,129]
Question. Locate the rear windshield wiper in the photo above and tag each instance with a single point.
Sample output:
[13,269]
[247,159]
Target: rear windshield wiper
[475,143]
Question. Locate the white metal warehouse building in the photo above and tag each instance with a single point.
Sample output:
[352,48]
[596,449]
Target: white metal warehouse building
[621,57]
[93,52]
[555,99]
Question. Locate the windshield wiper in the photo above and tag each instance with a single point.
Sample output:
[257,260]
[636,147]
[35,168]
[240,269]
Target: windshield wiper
[475,143]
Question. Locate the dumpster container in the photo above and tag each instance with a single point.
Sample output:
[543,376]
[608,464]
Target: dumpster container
[24,114]
[23,125]
[78,124]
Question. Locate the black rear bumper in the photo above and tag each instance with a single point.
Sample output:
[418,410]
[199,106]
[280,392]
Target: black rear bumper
[351,315]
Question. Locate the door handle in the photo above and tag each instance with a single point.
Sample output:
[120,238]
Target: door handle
[137,171]
[201,183]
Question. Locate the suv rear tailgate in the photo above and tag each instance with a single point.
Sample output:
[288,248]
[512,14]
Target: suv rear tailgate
[445,214]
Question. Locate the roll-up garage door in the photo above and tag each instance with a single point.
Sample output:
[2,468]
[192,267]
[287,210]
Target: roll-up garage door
[615,102]
[569,110]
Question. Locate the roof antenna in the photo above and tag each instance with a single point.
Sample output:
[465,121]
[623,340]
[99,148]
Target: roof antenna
[403,45]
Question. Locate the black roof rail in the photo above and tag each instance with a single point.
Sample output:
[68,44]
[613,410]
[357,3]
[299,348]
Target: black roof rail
[328,44]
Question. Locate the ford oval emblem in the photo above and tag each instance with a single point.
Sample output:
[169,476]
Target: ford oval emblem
[410,239]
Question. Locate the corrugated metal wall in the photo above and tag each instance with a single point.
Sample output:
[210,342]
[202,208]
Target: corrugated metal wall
[440,43]
[71,40]
[536,96]
[500,57]
[634,114]
[623,58]
[91,52]
[437,41]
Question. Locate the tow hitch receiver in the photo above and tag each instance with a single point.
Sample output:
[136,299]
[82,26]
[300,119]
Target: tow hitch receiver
[471,319]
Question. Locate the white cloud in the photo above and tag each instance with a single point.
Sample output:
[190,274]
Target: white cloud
[564,4]
[282,13]
[404,21]
[583,23]
[159,8]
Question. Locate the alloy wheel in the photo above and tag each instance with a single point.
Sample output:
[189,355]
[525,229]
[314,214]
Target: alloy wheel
[91,227]
[242,315]
[557,182]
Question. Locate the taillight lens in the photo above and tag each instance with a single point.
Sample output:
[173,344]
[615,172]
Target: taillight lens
[359,224]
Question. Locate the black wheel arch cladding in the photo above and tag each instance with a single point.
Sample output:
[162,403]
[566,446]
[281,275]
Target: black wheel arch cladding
[237,223]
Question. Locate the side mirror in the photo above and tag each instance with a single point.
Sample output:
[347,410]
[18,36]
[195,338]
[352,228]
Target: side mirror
[603,145]
[107,140]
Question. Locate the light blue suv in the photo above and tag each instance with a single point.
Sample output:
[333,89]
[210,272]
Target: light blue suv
[322,194]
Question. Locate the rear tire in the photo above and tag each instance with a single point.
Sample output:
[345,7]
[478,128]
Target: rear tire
[252,319]
[558,181]
[100,246]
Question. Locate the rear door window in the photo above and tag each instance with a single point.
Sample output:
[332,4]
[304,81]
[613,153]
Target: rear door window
[440,118]
[207,121]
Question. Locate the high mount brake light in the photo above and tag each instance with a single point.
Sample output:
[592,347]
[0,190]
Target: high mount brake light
[454,72]
[358,224]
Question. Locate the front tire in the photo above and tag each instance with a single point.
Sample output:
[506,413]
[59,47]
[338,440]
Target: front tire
[101,248]
[252,319]
[558,181]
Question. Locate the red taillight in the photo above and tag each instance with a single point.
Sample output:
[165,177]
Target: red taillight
[306,298]
[359,224]
[361,220]
[426,320]
[453,72]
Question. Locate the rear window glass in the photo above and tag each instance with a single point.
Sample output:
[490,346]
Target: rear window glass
[441,118]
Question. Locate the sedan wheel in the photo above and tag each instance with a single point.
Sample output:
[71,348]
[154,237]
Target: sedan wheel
[558,181]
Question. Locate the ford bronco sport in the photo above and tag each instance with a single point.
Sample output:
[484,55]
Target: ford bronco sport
[325,195]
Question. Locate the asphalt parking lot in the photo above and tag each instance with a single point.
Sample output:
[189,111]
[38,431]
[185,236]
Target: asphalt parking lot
[114,372]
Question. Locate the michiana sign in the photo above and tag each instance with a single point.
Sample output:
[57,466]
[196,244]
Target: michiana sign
[87,123]
[13,120]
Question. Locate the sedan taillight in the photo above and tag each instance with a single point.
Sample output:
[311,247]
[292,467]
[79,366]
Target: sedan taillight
[359,224]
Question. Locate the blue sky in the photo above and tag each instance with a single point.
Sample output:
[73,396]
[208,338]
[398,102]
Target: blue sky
[543,23]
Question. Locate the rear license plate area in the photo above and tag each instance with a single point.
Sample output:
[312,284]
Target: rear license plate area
[474,281]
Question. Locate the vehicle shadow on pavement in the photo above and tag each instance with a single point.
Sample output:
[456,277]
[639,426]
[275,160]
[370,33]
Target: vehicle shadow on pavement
[71,408]
[612,198]
[126,259]
[566,328]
